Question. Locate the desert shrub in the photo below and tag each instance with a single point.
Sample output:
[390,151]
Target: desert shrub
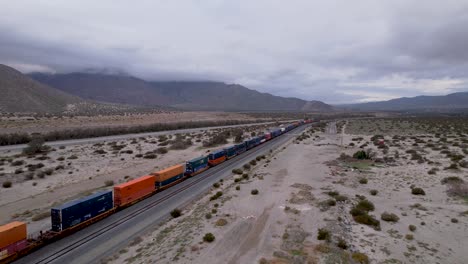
[59,167]
[49,171]
[247,166]
[139,155]
[254,192]
[374,192]
[176,213]
[389,217]
[341,198]
[221,222]
[342,244]
[409,236]
[150,156]
[35,146]
[418,191]
[214,211]
[363,181]
[100,151]
[323,234]
[253,162]
[367,219]
[361,154]
[454,220]
[17,163]
[433,171]
[237,187]
[208,216]
[365,205]
[216,185]
[109,182]
[7,184]
[18,171]
[333,193]
[459,189]
[330,202]
[72,157]
[237,171]
[451,180]
[40,174]
[412,228]
[161,150]
[237,179]
[245,176]
[181,144]
[209,237]
[360,258]
[61,158]
[453,166]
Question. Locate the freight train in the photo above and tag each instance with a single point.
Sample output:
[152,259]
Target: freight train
[75,215]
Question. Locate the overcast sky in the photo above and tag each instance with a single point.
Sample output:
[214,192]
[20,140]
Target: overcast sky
[334,51]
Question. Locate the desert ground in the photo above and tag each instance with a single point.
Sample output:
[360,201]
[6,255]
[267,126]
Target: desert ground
[20,124]
[32,184]
[388,190]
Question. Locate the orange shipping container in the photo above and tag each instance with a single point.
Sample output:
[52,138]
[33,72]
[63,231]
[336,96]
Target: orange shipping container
[11,233]
[168,173]
[133,190]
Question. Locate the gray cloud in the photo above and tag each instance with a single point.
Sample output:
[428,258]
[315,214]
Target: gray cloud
[335,51]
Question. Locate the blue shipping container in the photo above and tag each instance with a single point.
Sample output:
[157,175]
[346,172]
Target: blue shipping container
[230,151]
[241,148]
[217,154]
[78,211]
[196,164]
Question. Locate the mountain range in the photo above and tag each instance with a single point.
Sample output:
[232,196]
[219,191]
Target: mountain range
[450,102]
[185,95]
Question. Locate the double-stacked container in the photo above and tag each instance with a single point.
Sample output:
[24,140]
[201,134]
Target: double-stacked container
[217,157]
[230,152]
[168,176]
[12,238]
[78,211]
[196,165]
[129,192]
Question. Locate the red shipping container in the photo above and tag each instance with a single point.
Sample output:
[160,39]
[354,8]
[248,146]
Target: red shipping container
[133,190]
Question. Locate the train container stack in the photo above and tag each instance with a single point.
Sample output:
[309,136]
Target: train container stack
[241,148]
[73,216]
[169,176]
[217,157]
[134,190]
[230,152]
[12,238]
[196,165]
[81,210]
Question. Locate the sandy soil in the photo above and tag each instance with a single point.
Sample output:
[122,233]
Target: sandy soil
[306,186]
[77,171]
[47,124]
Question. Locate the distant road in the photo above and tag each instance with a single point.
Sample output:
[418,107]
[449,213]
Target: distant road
[125,136]
[111,234]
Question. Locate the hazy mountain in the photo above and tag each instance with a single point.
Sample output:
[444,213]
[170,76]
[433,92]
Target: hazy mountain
[19,93]
[445,102]
[188,95]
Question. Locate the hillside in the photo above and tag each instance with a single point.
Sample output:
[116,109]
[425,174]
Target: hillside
[448,102]
[186,95]
[22,94]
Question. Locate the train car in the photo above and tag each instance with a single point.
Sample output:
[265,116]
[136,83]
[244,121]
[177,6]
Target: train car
[230,152]
[262,138]
[169,176]
[275,133]
[241,148]
[78,211]
[197,165]
[217,157]
[251,143]
[12,238]
[267,136]
[134,190]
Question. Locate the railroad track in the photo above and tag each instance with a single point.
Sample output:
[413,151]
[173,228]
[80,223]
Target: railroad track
[199,178]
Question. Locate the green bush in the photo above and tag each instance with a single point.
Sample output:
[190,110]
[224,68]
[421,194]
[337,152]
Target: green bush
[216,185]
[361,154]
[208,216]
[254,192]
[237,171]
[323,234]
[412,228]
[367,219]
[365,205]
[237,187]
[363,181]
[176,213]
[389,217]
[7,184]
[374,192]
[208,237]
[418,191]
